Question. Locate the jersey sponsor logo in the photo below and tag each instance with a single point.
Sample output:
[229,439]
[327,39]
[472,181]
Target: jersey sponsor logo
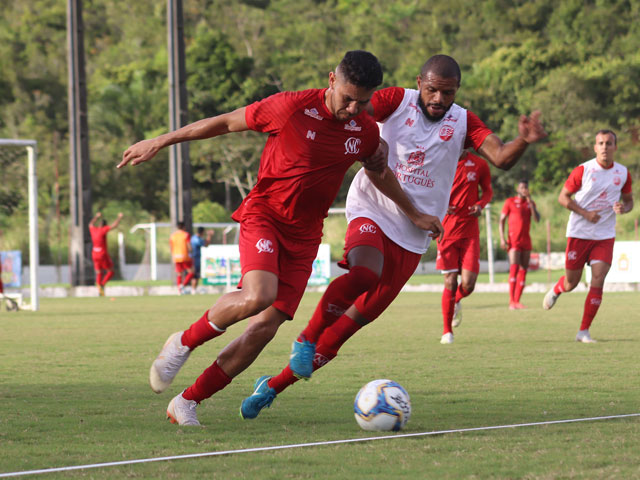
[617,181]
[311,134]
[469,163]
[313,113]
[414,106]
[352,145]
[572,255]
[446,132]
[471,176]
[335,310]
[409,122]
[264,246]
[367,228]
[352,126]
[450,118]
[416,158]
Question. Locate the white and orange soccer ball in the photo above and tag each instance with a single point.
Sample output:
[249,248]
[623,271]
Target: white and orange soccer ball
[382,405]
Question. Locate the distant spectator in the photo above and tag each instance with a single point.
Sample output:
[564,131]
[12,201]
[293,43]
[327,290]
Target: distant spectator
[197,242]
[180,244]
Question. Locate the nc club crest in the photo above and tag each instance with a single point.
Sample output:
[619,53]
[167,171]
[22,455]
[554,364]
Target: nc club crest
[264,246]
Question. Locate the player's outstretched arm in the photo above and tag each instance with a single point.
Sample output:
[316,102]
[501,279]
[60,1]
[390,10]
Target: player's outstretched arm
[116,222]
[92,222]
[506,155]
[205,128]
[387,183]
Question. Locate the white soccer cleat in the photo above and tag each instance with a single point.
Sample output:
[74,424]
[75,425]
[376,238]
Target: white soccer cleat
[182,411]
[549,299]
[168,363]
[447,338]
[457,315]
[584,337]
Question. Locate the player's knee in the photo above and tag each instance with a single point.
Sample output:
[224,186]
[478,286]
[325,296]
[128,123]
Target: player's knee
[256,301]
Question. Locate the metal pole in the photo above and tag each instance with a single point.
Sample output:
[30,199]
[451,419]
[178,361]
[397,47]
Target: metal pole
[34,254]
[154,253]
[548,251]
[487,213]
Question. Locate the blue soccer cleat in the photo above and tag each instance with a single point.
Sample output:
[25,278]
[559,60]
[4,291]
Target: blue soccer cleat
[301,359]
[261,397]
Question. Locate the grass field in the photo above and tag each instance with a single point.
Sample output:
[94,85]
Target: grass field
[74,391]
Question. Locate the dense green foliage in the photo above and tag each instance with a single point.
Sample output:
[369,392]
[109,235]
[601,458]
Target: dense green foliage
[577,61]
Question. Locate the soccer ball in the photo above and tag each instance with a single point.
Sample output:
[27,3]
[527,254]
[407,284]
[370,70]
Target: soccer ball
[382,405]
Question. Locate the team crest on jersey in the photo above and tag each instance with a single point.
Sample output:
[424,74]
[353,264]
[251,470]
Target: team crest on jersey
[572,255]
[352,145]
[352,126]
[313,113]
[416,158]
[617,181]
[264,246]
[446,132]
[471,176]
[367,228]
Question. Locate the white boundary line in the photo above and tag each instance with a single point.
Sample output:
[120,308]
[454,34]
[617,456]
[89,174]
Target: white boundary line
[299,445]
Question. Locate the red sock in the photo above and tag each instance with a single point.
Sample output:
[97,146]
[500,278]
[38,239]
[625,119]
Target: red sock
[513,273]
[327,349]
[340,295]
[1,287]
[591,305]
[559,287]
[187,279]
[209,382]
[200,332]
[461,293]
[448,302]
[107,277]
[98,278]
[520,281]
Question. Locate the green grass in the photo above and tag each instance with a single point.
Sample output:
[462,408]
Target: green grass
[73,390]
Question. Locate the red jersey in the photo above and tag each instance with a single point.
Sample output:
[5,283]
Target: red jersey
[471,172]
[304,160]
[99,238]
[519,211]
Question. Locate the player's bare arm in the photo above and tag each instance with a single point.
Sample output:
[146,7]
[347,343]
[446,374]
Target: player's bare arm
[625,206]
[116,222]
[504,243]
[505,155]
[95,217]
[565,199]
[205,128]
[388,184]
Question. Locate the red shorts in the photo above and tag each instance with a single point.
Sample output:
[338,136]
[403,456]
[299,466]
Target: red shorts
[581,251]
[457,254]
[263,246]
[522,243]
[399,265]
[183,266]
[101,261]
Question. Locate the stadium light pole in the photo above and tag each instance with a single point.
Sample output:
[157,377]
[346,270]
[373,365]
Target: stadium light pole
[80,174]
[179,165]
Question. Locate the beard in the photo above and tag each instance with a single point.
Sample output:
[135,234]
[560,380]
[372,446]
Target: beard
[430,117]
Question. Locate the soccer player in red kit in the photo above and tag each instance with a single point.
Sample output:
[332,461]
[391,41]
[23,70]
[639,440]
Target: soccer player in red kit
[426,133]
[518,210]
[100,254]
[459,250]
[314,137]
[601,189]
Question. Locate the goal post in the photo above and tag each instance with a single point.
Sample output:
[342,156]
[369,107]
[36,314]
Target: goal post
[32,181]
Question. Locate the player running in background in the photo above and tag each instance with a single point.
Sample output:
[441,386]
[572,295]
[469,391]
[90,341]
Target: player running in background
[459,249]
[197,242]
[602,189]
[518,210]
[426,133]
[102,263]
[314,137]
[180,245]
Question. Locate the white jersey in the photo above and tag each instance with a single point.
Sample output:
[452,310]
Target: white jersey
[599,189]
[423,155]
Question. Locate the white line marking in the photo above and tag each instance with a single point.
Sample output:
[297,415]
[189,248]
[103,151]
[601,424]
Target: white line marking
[299,445]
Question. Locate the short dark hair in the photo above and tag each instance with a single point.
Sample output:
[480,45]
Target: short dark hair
[180,225]
[361,68]
[605,131]
[443,66]
[523,180]
[200,229]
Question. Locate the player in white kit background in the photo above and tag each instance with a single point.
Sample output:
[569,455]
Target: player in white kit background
[426,133]
[595,192]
